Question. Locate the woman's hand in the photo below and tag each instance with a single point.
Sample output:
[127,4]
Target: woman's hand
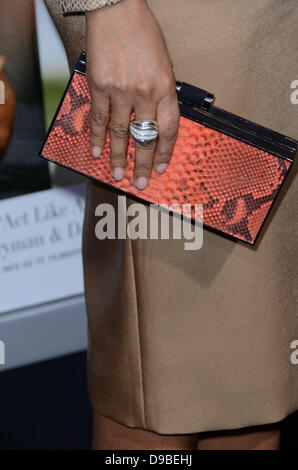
[6,109]
[129,69]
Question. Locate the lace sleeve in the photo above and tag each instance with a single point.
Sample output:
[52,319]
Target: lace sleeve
[72,6]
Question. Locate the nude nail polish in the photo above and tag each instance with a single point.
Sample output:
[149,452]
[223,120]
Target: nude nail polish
[96,151]
[141,182]
[161,168]
[118,173]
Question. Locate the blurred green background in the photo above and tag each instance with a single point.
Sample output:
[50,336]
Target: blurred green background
[53,90]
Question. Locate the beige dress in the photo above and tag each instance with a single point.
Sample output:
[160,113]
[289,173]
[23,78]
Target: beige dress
[184,342]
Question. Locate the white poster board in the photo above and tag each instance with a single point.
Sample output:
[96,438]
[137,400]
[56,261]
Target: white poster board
[40,247]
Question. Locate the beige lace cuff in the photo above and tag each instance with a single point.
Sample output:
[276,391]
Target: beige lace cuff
[71,6]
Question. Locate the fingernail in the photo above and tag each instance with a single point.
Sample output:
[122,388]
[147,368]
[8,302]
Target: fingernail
[141,182]
[161,168]
[118,173]
[96,151]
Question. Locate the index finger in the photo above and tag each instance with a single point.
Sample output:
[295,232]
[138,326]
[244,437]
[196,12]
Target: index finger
[168,117]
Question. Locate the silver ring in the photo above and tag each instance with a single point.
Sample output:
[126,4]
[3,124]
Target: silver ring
[144,132]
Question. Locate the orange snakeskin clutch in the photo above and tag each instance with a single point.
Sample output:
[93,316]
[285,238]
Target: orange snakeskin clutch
[234,167]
